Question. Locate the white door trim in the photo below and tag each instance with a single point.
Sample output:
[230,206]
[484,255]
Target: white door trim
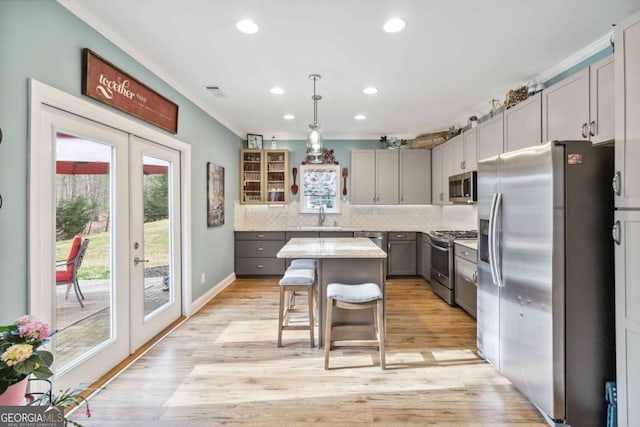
[41,257]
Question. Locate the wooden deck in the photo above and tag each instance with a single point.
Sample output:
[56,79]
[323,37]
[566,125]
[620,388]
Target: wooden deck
[222,367]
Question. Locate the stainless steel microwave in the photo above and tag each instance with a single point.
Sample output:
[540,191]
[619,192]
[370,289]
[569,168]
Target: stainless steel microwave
[463,188]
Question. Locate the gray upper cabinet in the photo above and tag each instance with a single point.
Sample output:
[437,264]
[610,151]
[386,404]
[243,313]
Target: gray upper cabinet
[581,107]
[627,106]
[456,152]
[415,177]
[437,195]
[523,124]
[363,177]
[602,93]
[490,140]
[470,150]
[374,177]
[387,177]
[565,108]
[390,177]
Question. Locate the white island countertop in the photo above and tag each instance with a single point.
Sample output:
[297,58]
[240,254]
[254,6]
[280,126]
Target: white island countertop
[358,247]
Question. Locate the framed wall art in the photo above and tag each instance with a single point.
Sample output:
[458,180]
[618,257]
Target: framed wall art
[254,142]
[215,195]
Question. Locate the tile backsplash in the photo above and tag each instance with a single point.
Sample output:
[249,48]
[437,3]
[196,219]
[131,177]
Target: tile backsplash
[418,217]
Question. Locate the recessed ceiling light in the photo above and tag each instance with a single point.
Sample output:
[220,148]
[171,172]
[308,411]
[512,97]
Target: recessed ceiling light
[247,26]
[360,117]
[277,90]
[289,117]
[370,90]
[394,25]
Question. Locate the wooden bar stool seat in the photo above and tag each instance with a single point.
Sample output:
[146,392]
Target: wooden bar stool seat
[293,282]
[365,296]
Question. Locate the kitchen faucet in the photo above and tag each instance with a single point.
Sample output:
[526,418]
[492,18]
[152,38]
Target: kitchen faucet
[321,216]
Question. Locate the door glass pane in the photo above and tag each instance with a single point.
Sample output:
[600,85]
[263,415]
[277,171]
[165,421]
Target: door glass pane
[84,242]
[158,280]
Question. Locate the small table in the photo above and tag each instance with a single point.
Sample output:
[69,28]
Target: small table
[342,260]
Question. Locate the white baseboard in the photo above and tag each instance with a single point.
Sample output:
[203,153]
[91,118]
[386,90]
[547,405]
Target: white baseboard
[210,294]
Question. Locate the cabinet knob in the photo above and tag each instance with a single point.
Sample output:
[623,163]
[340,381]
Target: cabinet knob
[260,249]
[260,236]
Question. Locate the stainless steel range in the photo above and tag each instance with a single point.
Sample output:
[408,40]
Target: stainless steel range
[442,274]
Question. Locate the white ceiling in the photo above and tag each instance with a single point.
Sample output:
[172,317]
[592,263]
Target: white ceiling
[453,57]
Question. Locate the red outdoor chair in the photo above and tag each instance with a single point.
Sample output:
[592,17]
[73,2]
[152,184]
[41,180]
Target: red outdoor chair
[69,276]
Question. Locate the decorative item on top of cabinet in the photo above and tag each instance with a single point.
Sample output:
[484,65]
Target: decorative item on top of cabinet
[431,140]
[515,96]
[264,176]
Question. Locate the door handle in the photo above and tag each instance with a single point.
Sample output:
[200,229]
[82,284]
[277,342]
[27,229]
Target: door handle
[584,131]
[592,128]
[137,261]
[615,183]
[616,232]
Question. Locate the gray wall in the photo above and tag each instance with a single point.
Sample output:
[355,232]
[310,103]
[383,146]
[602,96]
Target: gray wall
[43,41]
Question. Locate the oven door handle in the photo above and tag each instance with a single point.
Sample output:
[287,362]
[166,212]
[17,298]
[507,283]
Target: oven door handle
[438,247]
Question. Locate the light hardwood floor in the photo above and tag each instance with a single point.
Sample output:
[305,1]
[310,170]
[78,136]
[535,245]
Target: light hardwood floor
[222,367]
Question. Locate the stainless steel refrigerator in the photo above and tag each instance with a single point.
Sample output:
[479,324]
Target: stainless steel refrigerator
[545,275]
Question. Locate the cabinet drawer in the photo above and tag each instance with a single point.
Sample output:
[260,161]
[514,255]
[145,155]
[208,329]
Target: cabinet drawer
[252,248]
[466,253]
[259,235]
[259,266]
[401,235]
[466,289]
[336,234]
[295,234]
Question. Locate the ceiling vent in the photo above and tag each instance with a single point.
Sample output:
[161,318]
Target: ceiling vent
[216,91]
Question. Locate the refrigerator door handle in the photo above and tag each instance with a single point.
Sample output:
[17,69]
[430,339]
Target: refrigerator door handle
[491,236]
[496,246]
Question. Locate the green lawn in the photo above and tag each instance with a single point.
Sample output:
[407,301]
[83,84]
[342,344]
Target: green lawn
[96,261]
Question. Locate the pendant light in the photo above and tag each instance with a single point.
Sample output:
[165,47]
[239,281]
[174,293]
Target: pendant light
[314,134]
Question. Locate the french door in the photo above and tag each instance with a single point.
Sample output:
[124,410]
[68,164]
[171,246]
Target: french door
[155,239]
[121,195]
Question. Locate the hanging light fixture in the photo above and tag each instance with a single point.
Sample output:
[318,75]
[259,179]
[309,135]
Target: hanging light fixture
[314,134]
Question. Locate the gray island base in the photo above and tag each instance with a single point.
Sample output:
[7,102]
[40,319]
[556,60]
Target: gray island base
[349,261]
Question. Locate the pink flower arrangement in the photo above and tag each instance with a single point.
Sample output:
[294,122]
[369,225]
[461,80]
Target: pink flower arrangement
[20,353]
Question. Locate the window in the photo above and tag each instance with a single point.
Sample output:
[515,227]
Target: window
[320,188]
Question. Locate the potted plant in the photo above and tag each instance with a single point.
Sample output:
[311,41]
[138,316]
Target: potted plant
[21,356]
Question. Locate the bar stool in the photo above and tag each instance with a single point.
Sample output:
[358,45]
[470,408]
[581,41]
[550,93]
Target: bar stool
[303,263]
[355,297]
[296,280]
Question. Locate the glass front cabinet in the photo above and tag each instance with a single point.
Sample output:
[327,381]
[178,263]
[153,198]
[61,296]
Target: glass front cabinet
[264,177]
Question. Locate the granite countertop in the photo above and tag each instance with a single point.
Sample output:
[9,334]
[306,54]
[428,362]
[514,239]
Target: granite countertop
[359,247]
[469,243]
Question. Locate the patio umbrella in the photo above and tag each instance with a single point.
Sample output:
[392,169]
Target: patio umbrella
[77,156]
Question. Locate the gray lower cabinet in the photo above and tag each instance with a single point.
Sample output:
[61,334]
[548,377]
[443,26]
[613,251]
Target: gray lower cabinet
[255,253]
[424,256]
[336,234]
[401,253]
[466,286]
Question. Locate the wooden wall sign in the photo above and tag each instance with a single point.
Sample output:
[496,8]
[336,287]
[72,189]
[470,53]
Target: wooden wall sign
[107,83]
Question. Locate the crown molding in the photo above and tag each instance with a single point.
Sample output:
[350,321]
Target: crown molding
[584,53]
[95,23]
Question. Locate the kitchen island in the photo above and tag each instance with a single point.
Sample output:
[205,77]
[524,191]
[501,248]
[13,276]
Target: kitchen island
[340,260]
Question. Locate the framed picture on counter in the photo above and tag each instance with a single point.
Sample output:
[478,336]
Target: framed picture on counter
[254,142]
